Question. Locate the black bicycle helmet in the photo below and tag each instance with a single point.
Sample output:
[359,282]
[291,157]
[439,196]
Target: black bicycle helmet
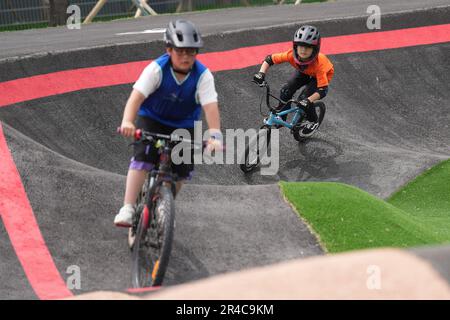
[307,36]
[182,34]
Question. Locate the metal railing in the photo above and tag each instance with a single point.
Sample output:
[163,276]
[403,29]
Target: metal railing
[23,12]
[28,13]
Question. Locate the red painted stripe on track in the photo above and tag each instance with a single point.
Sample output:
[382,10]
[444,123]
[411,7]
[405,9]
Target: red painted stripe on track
[142,290]
[60,82]
[23,230]
[45,85]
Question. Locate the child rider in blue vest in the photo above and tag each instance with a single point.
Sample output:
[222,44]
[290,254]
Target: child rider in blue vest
[170,94]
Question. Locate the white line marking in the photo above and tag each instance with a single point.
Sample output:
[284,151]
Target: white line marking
[157,30]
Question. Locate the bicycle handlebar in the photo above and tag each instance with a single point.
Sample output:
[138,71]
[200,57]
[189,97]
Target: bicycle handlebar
[141,135]
[147,135]
[268,95]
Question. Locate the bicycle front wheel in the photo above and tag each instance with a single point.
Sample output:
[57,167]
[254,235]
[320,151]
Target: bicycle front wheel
[256,149]
[154,237]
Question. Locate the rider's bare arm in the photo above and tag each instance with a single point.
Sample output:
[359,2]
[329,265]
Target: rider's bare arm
[129,115]
[315,96]
[264,67]
[213,119]
[212,116]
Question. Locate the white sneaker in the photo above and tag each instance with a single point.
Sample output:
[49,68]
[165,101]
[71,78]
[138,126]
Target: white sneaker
[309,128]
[125,216]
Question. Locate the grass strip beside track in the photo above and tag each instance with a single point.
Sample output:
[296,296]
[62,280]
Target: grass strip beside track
[427,199]
[347,218]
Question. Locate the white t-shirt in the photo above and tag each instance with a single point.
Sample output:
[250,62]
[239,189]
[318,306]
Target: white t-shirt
[150,80]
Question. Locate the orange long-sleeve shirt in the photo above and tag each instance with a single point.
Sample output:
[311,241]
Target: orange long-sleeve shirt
[322,69]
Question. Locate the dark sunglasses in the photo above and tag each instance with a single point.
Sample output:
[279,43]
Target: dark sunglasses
[186,51]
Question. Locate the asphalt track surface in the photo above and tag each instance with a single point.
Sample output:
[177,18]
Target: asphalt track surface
[387,121]
[19,44]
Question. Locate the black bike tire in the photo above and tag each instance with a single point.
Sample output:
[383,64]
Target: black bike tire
[245,167]
[169,226]
[323,109]
[139,207]
[135,258]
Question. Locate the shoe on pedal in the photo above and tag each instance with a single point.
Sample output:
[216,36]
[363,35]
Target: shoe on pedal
[125,216]
[309,127]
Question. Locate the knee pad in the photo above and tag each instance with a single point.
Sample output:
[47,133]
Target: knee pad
[323,92]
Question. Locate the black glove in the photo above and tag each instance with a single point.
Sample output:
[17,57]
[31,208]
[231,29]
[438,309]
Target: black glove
[259,77]
[305,103]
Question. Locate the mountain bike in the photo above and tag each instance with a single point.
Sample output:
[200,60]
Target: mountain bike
[151,234]
[258,145]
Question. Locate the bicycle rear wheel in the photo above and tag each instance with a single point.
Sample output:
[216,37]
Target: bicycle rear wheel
[153,242]
[256,149]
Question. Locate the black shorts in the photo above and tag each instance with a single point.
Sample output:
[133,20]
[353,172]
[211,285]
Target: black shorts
[145,156]
[297,81]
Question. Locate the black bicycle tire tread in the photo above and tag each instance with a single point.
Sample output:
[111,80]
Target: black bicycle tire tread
[243,166]
[323,108]
[169,227]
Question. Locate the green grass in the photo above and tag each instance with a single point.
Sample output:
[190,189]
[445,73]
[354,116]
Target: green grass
[427,200]
[347,218]
[18,27]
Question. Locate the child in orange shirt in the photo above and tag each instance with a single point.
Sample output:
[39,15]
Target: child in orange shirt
[313,69]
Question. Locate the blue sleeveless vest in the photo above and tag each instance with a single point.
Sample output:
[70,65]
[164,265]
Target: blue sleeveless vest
[174,104]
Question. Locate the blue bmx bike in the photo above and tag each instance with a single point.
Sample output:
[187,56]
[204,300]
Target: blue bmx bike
[258,145]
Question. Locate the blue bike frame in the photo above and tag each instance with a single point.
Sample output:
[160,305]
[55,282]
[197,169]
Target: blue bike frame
[274,118]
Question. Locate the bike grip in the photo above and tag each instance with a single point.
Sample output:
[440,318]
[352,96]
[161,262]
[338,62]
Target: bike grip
[138,134]
[259,84]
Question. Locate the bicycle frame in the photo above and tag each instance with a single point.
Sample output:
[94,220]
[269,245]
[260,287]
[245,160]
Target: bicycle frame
[162,171]
[274,117]
[159,174]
